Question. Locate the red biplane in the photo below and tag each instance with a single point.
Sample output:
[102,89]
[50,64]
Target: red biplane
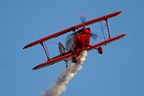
[76,42]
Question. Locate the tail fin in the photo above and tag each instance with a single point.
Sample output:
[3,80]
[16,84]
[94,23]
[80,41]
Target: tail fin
[61,48]
[62,52]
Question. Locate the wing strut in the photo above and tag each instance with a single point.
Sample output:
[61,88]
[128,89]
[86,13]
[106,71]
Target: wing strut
[108,28]
[102,30]
[45,50]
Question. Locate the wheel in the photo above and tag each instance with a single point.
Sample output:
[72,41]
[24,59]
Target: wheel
[74,59]
[100,50]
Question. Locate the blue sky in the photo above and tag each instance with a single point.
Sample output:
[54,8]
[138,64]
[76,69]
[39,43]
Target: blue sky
[117,72]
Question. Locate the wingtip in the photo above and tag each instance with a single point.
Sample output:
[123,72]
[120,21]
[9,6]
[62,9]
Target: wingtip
[120,11]
[35,68]
[24,47]
[124,34]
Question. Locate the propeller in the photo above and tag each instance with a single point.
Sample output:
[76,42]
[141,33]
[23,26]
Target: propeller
[83,19]
[94,36]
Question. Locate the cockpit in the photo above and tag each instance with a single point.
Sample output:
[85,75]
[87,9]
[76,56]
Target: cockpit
[68,38]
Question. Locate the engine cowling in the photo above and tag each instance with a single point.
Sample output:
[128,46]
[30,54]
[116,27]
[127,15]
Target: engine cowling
[100,50]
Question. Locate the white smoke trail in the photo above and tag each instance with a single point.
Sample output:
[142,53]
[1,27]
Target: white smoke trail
[59,85]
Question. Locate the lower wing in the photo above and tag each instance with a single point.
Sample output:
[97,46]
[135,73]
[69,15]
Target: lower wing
[53,60]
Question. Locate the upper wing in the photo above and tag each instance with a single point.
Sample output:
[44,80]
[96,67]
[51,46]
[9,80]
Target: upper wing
[106,42]
[72,28]
[53,60]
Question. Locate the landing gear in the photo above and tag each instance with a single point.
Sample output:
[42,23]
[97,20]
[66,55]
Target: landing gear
[74,59]
[100,50]
[66,65]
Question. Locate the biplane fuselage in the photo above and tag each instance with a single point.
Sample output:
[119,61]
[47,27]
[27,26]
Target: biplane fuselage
[76,42]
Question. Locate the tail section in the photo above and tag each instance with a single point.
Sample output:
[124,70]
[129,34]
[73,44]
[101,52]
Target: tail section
[61,48]
[62,52]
